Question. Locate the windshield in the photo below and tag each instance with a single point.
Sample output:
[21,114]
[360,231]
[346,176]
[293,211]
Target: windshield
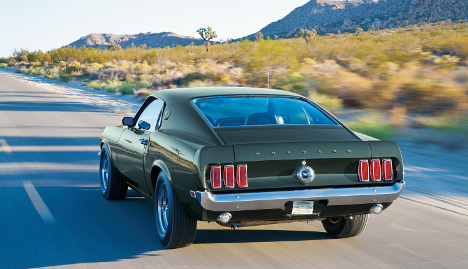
[260,110]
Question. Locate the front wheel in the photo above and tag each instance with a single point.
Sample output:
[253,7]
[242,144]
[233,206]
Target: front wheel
[344,227]
[175,228]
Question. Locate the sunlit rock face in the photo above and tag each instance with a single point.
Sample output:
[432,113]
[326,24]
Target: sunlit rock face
[331,16]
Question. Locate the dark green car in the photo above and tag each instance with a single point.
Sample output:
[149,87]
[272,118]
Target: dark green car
[247,156]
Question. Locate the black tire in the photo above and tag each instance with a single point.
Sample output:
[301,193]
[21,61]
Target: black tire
[112,187]
[175,228]
[343,227]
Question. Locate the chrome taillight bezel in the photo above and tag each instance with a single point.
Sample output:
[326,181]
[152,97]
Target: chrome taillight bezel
[228,173]
[363,172]
[239,169]
[385,175]
[375,170]
[215,171]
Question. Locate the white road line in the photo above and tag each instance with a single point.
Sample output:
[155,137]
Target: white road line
[38,203]
[5,146]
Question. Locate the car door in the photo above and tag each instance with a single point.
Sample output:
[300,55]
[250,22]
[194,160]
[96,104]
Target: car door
[134,143]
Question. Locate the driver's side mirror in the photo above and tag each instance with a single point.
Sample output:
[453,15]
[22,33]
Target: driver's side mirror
[128,121]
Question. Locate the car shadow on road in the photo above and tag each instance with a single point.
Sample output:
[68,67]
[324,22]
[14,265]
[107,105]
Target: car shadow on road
[209,236]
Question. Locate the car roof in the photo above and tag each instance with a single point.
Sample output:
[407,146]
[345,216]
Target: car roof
[187,94]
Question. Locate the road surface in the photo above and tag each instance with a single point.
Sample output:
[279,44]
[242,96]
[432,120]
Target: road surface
[52,212]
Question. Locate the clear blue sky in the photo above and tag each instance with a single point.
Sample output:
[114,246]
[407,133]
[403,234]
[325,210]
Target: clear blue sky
[47,24]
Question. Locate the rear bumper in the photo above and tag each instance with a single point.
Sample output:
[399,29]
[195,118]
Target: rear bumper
[277,199]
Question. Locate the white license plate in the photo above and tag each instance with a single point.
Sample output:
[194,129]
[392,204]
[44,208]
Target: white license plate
[303,208]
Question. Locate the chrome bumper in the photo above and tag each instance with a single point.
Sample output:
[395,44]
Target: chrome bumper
[277,199]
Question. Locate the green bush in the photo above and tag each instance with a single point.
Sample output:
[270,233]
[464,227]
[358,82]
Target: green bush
[110,88]
[71,69]
[94,85]
[3,65]
[65,78]
[126,89]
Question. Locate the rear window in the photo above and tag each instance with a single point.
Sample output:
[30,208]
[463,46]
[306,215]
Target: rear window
[260,110]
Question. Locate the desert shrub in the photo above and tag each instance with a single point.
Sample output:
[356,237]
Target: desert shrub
[3,65]
[65,78]
[373,124]
[94,85]
[126,89]
[110,88]
[328,102]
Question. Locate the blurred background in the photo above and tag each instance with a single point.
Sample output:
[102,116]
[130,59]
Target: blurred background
[410,81]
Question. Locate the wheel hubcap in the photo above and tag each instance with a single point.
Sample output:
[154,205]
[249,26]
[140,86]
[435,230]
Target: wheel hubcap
[104,172]
[163,209]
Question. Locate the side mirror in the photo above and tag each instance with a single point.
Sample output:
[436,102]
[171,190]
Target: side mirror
[144,125]
[128,121]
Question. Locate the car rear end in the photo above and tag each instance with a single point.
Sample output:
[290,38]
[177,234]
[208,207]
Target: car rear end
[271,171]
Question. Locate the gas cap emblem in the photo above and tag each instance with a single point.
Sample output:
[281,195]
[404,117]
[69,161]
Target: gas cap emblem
[304,174]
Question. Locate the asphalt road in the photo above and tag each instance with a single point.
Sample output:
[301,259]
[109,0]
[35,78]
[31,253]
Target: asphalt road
[52,212]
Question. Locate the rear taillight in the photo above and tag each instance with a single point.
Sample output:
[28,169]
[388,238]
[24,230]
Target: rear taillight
[229,176]
[387,169]
[215,177]
[242,176]
[375,170]
[363,170]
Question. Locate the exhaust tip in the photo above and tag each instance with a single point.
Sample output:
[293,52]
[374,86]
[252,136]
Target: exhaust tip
[224,217]
[376,209]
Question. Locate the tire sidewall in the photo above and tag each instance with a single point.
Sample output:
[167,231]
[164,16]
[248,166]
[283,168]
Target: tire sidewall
[162,181]
[105,152]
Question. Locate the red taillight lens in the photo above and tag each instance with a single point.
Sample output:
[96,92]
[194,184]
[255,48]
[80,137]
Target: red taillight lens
[375,170]
[242,176]
[363,170]
[215,177]
[229,176]
[387,169]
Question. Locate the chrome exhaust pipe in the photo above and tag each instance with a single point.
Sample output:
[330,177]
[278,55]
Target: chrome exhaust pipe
[376,209]
[224,217]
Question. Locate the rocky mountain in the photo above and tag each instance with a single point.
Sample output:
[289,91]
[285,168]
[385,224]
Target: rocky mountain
[331,16]
[151,40]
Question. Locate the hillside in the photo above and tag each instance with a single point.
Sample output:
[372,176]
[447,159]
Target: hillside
[331,16]
[151,40]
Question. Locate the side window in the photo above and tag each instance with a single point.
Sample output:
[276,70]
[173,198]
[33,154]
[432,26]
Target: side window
[151,114]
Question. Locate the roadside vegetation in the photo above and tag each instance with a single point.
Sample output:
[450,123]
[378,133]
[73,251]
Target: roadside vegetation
[418,73]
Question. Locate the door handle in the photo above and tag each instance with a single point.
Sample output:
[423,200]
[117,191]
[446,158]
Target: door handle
[144,141]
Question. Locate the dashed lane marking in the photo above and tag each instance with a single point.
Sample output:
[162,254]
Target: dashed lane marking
[5,146]
[38,203]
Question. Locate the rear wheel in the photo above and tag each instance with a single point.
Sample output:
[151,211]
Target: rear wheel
[175,228]
[112,187]
[344,227]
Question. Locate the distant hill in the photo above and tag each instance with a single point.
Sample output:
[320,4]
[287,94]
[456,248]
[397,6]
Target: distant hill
[151,40]
[331,16]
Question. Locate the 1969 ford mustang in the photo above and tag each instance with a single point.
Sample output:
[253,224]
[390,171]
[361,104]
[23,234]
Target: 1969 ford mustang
[247,156]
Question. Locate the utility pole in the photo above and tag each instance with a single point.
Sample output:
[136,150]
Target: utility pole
[268,79]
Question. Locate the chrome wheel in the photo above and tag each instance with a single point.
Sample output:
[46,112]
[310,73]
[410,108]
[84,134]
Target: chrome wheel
[104,172]
[163,209]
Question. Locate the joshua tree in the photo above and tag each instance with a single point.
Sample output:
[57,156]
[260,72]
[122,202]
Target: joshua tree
[308,35]
[258,36]
[359,30]
[405,23]
[113,47]
[207,34]
[276,37]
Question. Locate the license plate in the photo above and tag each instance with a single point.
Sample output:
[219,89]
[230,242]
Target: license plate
[303,208]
